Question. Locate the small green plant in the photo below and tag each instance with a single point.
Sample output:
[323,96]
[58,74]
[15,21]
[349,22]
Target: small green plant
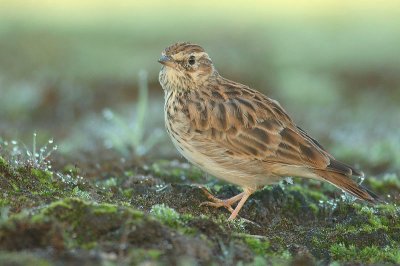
[21,156]
[28,171]
[130,135]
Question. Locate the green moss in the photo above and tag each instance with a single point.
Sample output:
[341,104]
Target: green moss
[389,182]
[382,216]
[173,219]
[315,195]
[275,259]
[72,209]
[343,253]
[71,169]
[44,177]
[236,225]
[128,193]
[89,220]
[258,246]
[370,254]
[314,208]
[22,258]
[14,186]
[81,223]
[140,255]
[7,177]
[105,209]
[258,261]
[166,215]
[4,202]
[186,217]
[66,203]
[343,228]
[175,171]
[130,173]
[389,210]
[89,245]
[81,193]
[90,225]
[27,186]
[3,162]
[108,183]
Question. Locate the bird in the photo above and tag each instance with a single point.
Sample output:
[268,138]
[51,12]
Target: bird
[238,134]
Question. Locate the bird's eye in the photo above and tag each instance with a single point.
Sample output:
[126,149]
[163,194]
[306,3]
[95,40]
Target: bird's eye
[192,60]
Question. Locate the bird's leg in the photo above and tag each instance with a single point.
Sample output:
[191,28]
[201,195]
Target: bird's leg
[245,196]
[217,203]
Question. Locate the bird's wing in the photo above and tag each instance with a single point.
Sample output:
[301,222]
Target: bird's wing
[248,124]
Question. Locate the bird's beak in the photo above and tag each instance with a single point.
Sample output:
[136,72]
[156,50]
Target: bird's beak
[166,61]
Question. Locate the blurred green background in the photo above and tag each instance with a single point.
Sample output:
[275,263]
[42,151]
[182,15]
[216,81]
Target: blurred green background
[86,74]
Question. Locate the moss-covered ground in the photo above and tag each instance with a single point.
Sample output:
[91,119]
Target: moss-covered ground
[149,216]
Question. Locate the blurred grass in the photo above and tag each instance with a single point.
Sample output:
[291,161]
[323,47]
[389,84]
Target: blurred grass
[334,65]
[100,39]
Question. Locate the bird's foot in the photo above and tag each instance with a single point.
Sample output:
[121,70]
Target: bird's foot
[217,203]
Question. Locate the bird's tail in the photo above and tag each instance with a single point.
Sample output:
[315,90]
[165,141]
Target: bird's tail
[339,174]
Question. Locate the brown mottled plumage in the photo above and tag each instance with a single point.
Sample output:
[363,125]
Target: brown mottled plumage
[238,134]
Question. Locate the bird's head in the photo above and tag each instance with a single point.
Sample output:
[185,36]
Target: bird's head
[185,66]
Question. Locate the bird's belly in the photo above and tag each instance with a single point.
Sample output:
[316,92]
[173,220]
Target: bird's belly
[231,171]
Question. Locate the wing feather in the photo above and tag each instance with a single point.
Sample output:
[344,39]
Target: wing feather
[248,123]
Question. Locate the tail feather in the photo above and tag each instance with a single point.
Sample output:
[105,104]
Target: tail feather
[343,168]
[344,182]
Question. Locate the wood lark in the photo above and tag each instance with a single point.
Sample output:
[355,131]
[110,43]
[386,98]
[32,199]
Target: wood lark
[237,133]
